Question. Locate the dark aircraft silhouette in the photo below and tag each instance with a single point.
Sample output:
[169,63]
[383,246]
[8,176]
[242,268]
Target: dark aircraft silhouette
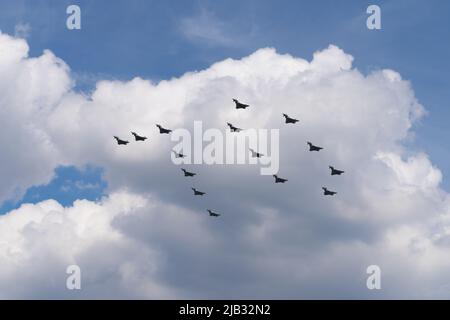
[288,119]
[178,155]
[187,173]
[233,128]
[213,214]
[240,105]
[162,130]
[335,171]
[255,154]
[138,137]
[279,180]
[313,147]
[198,193]
[120,141]
[327,192]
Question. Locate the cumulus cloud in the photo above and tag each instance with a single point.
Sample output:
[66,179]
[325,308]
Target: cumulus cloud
[272,241]
[39,241]
[30,89]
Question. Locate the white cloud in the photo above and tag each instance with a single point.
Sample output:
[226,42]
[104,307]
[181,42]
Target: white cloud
[30,88]
[39,241]
[272,241]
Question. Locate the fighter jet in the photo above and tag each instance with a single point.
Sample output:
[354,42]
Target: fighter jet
[178,154]
[138,137]
[120,141]
[187,173]
[255,154]
[335,171]
[198,193]
[288,119]
[233,128]
[240,105]
[279,180]
[327,192]
[163,130]
[313,147]
[212,213]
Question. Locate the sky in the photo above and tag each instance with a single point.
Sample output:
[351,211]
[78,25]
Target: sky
[135,63]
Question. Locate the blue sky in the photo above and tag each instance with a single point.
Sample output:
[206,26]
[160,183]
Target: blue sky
[156,40]
[68,185]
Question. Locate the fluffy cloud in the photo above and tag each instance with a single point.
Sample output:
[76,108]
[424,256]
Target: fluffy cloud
[40,241]
[272,241]
[30,89]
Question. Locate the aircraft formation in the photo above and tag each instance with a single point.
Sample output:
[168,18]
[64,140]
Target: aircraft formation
[254,153]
